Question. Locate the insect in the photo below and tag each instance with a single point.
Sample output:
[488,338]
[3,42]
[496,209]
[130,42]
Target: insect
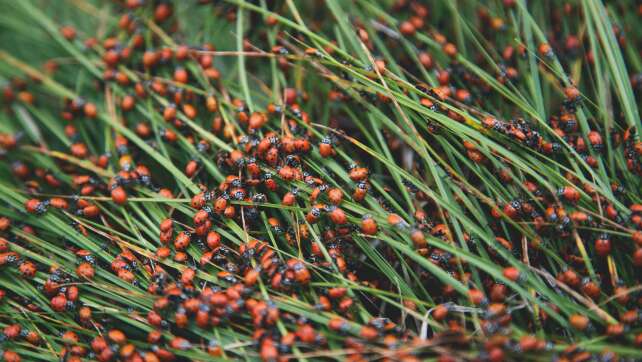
[337,215]
[217,212]
[119,195]
[603,245]
[369,225]
[325,147]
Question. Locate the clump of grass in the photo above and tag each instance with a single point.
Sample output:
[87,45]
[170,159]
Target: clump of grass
[320,180]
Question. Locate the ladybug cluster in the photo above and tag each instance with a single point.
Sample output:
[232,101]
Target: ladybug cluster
[349,180]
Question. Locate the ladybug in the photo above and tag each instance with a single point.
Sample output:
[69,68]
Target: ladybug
[418,238]
[325,148]
[579,322]
[397,221]
[360,191]
[85,271]
[570,194]
[182,241]
[301,273]
[90,211]
[337,215]
[603,245]
[119,195]
[58,203]
[201,217]
[289,199]
[369,225]
[27,269]
[368,333]
[314,213]
[180,75]
[511,273]
[213,240]
[269,181]
[545,50]
[513,209]
[477,297]
[358,174]
[596,141]
[59,303]
[166,225]
[35,206]
[335,196]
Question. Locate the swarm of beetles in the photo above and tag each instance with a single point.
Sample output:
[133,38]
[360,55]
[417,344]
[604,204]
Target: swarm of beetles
[363,187]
